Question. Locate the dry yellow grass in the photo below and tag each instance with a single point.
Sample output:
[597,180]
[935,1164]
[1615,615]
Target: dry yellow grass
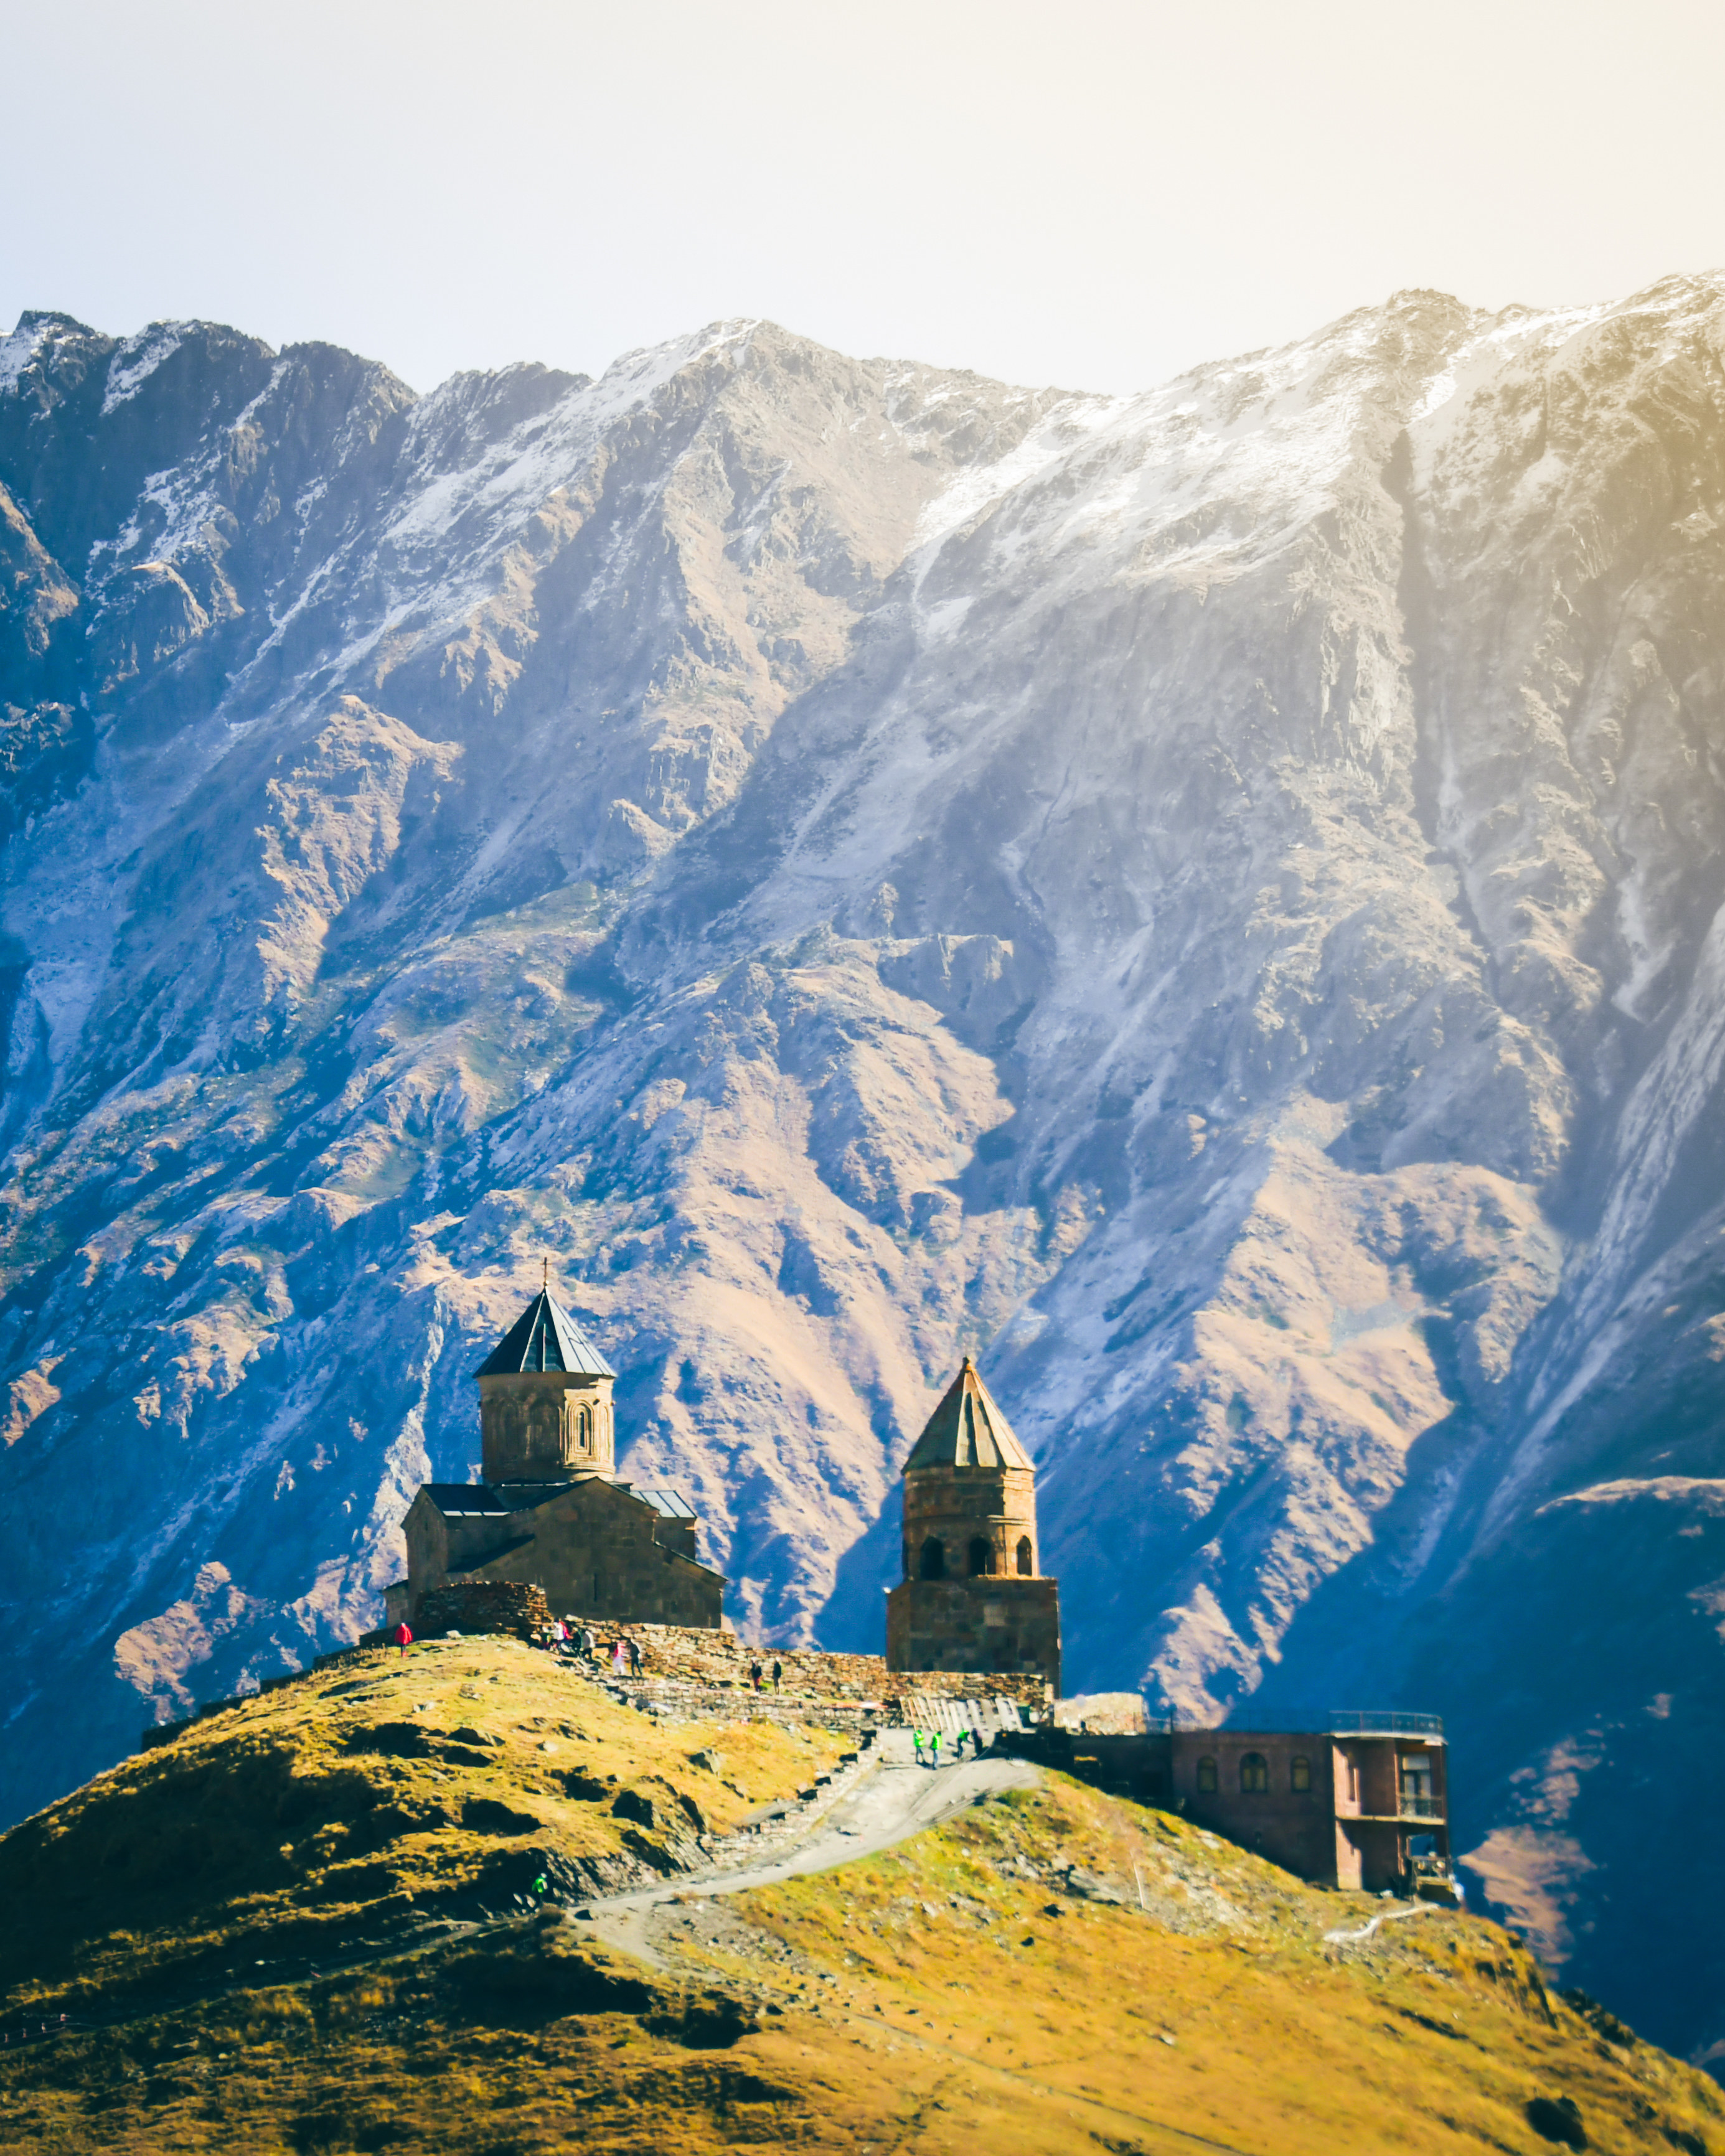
[971,1988]
[353,1800]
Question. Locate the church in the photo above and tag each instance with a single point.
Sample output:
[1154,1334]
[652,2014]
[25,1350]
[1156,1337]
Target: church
[974,1596]
[550,1509]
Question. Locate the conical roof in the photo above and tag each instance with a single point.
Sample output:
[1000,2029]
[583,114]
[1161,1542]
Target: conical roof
[968,1429]
[545,1338]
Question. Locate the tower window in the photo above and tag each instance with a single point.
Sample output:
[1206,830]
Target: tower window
[1255,1774]
[1206,1778]
[1027,1556]
[1300,1776]
[933,1564]
[982,1557]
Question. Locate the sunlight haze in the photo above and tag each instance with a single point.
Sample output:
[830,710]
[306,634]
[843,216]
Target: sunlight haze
[1093,195]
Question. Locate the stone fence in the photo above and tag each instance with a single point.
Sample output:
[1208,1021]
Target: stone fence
[483,1605]
[694,1673]
[721,1659]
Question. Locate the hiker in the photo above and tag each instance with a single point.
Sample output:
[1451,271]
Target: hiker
[617,1655]
[403,1638]
[916,1740]
[934,1748]
[777,1672]
[755,1674]
[634,1660]
[584,1643]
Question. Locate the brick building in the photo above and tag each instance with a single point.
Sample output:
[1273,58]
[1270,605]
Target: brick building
[1356,1805]
[972,1596]
[550,1510]
[1363,1803]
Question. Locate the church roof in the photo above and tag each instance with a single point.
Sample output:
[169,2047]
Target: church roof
[671,1503]
[968,1429]
[545,1338]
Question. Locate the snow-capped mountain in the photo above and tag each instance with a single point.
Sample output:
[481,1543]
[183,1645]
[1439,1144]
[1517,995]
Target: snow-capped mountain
[1214,899]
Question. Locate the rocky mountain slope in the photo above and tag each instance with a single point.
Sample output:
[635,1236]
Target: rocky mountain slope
[1213,898]
[357,1913]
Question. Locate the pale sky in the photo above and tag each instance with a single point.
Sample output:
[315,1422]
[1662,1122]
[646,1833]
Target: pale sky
[1095,194]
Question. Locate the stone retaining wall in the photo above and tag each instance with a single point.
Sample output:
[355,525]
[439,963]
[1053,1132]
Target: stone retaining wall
[690,1672]
[483,1605]
[721,1659]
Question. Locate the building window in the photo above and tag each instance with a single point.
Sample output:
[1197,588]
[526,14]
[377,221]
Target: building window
[1255,1774]
[1027,1557]
[1300,1777]
[982,1557]
[1206,1778]
[934,1558]
[586,1430]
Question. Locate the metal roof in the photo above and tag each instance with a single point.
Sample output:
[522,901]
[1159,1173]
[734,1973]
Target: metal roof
[671,1502]
[465,1501]
[545,1338]
[480,1501]
[968,1429]
[1383,1722]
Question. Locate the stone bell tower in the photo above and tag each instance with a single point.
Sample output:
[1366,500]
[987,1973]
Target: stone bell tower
[972,1596]
[545,1401]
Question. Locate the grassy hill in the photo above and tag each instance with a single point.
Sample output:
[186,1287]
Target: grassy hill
[316,1924]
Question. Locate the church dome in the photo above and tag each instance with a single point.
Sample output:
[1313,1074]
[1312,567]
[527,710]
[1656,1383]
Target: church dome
[968,1429]
[545,1338]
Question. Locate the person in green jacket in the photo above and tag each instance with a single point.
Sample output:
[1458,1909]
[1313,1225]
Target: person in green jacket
[916,1740]
[934,1747]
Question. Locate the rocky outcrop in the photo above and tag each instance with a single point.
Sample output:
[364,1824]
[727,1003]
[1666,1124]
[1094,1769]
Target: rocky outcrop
[1209,899]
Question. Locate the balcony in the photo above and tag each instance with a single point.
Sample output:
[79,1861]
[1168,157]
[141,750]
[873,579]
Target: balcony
[1375,1722]
[1428,1808]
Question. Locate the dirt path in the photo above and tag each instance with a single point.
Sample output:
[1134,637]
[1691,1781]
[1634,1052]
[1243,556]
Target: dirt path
[894,1800]
[1369,1930]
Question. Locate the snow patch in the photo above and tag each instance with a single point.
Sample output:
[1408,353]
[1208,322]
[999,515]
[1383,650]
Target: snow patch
[138,358]
[17,353]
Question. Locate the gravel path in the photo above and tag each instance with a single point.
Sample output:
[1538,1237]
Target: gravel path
[891,1799]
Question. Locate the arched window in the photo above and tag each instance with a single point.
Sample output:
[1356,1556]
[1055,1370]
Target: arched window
[1300,1776]
[585,1429]
[1253,1774]
[1027,1556]
[982,1556]
[1206,1778]
[933,1565]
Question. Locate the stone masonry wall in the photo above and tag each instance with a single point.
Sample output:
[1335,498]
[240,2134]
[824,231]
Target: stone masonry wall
[482,1605]
[1005,1624]
[721,1659]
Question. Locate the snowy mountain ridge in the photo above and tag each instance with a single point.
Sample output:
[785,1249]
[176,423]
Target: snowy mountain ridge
[1210,897]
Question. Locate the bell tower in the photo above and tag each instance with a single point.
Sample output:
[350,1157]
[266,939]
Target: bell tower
[545,1401]
[974,1596]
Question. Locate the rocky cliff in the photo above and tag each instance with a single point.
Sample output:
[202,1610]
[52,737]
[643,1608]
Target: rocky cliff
[1212,898]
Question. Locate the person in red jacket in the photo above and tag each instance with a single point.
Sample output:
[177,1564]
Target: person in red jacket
[403,1638]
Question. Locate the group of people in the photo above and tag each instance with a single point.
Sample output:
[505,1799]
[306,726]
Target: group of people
[624,1654]
[625,1658]
[927,1745]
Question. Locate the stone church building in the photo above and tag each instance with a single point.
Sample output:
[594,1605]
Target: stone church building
[972,1596]
[549,1509]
